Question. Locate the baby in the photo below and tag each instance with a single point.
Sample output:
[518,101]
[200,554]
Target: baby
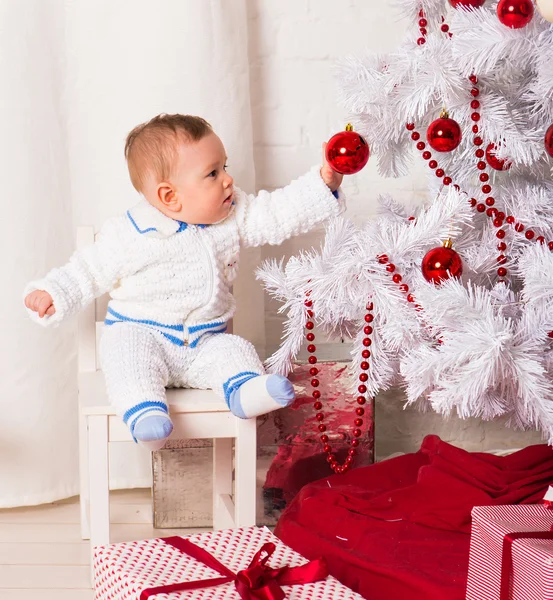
[169,264]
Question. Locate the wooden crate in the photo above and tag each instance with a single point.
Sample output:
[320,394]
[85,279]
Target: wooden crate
[182,484]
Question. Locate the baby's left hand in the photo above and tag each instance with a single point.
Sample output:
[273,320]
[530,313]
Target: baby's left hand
[329,176]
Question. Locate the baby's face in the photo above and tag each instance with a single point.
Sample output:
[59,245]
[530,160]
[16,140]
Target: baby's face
[202,185]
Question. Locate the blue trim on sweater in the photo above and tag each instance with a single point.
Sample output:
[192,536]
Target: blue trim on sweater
[335,194]
[172,338]
[143,321]
[195,328]
[197,340]
[199,330]
[184,226]
[141,231]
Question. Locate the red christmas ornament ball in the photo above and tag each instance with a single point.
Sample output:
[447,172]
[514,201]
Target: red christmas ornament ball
[499,164]
[515,13]
[444,134]
[467,3]
[549,141]
[440,264]
[347,152]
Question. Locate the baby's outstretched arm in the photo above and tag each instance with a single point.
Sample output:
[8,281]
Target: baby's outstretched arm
[90,272]
[272,217]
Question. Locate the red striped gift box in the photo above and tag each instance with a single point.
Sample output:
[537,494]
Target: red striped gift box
[154,568]
[511,553]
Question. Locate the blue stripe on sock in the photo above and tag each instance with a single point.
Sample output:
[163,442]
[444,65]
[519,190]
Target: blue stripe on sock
[147,404]
[144,321]
[136,226]
[241,374]
[236,385]
[234,382]
[233,398]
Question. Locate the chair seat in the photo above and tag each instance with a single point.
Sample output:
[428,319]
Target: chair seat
[94,401]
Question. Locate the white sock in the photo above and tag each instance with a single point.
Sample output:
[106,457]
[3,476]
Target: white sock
[260,395]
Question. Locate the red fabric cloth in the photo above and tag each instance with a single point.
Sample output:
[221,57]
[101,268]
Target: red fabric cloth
[400,528]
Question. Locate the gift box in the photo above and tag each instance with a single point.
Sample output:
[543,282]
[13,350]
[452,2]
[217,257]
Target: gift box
[240,564]
[511,553]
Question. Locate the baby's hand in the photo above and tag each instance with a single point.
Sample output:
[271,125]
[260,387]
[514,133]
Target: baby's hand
[40,302]
[329,176]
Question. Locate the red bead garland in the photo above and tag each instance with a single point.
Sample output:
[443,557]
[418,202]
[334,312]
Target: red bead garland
[362,388]
[383,259]
[423,23]
[445,27]
[525,8]
[488,158]
[497,217]
[432,163]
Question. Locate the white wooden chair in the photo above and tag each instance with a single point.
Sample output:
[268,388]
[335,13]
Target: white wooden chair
[198,414]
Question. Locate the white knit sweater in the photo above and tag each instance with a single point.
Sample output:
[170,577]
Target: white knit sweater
[167,273]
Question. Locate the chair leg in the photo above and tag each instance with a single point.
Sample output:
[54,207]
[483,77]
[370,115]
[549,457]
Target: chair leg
[83,477]
[223,517]
[245,473]
[98,469]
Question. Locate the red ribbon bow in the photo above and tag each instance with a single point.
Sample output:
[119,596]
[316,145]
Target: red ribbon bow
[256,582]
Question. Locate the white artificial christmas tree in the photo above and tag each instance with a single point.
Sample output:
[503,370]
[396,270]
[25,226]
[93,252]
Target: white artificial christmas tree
[480,345]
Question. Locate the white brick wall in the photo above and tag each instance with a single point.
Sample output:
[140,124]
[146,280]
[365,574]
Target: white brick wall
[293,47]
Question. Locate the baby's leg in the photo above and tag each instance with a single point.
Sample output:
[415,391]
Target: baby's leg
[136,375]
[230,366]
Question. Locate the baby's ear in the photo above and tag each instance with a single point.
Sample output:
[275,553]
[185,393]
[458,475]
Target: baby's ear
[166,194]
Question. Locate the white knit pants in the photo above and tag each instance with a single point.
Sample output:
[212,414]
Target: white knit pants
[139,363]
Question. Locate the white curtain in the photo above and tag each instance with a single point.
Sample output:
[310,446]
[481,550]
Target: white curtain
[76,76]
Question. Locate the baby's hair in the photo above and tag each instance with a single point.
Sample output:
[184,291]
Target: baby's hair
[151,148]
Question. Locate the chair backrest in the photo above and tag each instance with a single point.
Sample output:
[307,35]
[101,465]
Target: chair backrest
[91,319]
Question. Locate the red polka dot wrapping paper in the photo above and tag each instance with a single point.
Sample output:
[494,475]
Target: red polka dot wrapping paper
[122,571]
[532,559]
